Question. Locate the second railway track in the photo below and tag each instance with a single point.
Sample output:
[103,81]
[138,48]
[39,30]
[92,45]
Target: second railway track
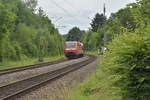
[12,90]
[17,69]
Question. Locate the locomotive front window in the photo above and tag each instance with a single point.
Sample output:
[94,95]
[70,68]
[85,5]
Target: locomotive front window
[71,44]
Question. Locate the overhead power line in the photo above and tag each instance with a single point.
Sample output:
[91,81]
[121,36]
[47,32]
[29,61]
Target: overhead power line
[56,4]
[64,10]
[58,19]
[71,5]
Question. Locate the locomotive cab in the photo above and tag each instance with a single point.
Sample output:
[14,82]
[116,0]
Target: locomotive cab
[73,49]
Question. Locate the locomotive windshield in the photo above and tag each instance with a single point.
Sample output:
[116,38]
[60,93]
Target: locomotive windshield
[71,44]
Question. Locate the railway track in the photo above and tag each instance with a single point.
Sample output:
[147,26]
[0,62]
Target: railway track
[12,91]
[17,69]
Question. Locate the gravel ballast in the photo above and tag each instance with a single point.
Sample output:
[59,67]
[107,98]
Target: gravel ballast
[59,88]
[17,76]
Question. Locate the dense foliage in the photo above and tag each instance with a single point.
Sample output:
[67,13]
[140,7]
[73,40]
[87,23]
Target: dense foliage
[74,34]
[129,52]
[128,61]
[98,22]
[99,34]
[26,31]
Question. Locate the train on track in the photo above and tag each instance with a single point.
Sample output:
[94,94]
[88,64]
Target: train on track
[73,49]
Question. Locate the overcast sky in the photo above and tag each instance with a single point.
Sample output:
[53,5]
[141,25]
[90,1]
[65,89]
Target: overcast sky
[66,14]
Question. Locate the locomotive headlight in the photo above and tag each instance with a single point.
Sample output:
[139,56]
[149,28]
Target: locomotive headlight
[74,48]
[67,48]
[71,48]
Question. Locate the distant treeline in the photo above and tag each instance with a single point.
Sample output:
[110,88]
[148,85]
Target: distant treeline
[103,30]
[26,31]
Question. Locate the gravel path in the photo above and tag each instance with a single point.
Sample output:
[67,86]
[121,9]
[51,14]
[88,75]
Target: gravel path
[14,77]
[58,89]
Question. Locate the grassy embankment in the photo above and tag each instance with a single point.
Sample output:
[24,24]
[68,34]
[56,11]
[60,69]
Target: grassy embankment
[97,87]
[92,53]
[28,61]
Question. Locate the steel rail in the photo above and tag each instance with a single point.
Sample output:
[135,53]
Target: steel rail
[17,69]
[15,89]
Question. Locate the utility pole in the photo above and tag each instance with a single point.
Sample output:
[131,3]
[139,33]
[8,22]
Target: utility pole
[104,9]
[105,35]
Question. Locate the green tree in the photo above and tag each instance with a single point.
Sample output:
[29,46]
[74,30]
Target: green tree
[75,34]
[24,32]
[7,19]
[32,4]
[98,22]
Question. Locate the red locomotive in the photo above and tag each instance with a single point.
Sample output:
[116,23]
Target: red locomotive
[73,49]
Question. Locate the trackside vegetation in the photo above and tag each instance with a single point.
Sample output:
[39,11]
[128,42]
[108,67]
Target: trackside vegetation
[29,61]
[26,32]
[124,71]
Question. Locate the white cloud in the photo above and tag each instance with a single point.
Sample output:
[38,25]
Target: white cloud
[77,12]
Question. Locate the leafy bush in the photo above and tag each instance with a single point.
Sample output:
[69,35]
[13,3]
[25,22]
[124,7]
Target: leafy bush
[128,59]
[24,32]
